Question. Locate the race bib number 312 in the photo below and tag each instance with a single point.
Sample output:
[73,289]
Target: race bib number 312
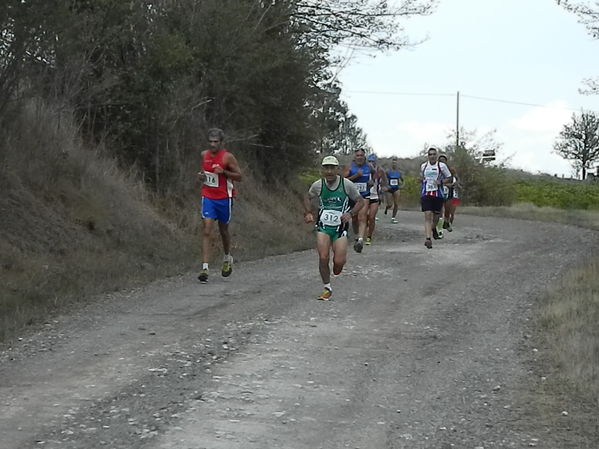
[330,218]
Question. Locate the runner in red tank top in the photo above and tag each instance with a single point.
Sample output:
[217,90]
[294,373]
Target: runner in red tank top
[219,170]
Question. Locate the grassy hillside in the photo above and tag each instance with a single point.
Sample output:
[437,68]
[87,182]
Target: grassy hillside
[72,224]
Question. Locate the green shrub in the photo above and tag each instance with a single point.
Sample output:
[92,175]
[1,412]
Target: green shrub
[558,193]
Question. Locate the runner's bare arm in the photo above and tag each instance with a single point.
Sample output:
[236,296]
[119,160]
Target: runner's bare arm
[231,170]
[448,176]
[201,177]
[384,180]
[308,214]
[346,171]
[352,177]
[359,205]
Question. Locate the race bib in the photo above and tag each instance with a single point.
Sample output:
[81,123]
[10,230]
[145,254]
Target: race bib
[394,182]
[430,177]
[445,191]
[211,179]
[330,217]
[431,186]
[362,186]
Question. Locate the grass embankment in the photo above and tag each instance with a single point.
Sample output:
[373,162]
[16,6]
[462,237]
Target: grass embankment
[73,225]
[567,317]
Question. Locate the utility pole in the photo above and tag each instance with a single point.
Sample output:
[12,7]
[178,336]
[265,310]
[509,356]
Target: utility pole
[457,122]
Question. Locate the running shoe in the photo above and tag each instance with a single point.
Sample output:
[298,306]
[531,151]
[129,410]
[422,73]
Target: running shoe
[428,243]
[325,295]
[203,277]
[227,268]
[358,245]
[368,241]
[436,233]
[394,220]
[449,228]
[446,225]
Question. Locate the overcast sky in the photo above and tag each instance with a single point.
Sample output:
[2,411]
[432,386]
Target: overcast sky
[505,51]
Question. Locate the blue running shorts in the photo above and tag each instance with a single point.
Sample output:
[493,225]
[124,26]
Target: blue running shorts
[217,209]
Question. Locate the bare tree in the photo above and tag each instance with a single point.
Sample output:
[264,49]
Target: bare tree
[363,24]
[588,15]
[579,141]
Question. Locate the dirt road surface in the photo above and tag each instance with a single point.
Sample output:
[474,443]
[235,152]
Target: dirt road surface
[418,349]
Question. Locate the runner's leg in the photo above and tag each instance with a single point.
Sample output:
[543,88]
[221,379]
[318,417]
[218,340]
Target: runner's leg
[323,246]
[225,237]
[428,224]
[372,211]
[339,254]
[395,203]
[388,201]
[208,226]
[363,219]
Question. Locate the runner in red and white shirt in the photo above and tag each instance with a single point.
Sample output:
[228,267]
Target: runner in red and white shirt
[219,170]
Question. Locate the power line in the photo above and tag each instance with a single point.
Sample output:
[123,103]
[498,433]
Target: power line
[521,103]
[473,97]
[416,94]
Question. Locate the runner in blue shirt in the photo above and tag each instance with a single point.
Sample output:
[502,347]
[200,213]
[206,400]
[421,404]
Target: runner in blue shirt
[359,172]
[395,183]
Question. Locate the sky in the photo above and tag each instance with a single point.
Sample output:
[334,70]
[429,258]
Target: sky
[504,53]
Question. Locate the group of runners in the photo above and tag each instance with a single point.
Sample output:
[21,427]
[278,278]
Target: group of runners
[339,198]
[354,197]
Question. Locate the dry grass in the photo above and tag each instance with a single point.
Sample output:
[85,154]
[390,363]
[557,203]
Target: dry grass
[568,317]
[569,320]
[584,218]
[73,225]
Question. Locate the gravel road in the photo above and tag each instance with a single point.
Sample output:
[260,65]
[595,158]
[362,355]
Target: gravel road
[418,349]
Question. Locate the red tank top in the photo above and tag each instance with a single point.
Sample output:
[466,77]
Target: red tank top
[216,186]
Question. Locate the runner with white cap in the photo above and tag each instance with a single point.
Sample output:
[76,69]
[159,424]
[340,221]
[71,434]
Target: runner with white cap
[338,201]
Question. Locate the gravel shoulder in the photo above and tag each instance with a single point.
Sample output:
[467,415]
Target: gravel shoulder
[418,349]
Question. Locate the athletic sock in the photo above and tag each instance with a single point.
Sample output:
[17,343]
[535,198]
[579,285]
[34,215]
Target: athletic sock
[328,286]
[204,266]
[228,258]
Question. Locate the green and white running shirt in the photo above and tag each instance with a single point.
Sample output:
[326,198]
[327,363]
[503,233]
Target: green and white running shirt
[334,199]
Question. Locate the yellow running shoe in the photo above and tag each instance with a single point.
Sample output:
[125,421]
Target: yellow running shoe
[368,241]
[227,268]
[325,295]
[203,277]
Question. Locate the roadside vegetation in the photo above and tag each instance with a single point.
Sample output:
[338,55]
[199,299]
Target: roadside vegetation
[567,316]
[104,108]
